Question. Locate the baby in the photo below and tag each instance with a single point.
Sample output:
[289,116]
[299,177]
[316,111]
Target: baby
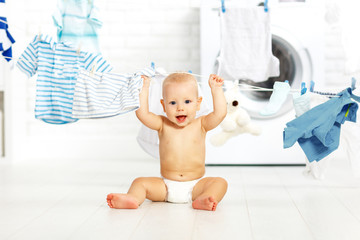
[182,146]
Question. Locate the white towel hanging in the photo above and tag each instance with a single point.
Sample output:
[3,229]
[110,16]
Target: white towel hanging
[246,45]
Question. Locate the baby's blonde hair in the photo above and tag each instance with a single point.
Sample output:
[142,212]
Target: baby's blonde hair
[181,77]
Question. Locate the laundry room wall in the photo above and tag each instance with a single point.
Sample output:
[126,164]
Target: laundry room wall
[339,18]
[334,57]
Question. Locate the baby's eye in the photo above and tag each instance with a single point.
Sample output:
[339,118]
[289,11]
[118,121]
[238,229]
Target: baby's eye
[187,101]
[172,103]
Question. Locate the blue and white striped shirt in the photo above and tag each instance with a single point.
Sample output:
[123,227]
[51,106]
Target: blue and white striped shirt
[57,65]
[107,94]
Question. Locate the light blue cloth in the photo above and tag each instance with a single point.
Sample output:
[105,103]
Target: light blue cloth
[277,99]
[318,130]
[58,66]
[301,103]
[78,22]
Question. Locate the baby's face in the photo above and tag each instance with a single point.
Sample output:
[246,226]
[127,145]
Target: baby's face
[181,102]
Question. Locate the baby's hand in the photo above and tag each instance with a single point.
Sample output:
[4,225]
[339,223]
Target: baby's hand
[146,81]
[215,81]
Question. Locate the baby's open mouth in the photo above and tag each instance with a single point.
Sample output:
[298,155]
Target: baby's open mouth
[181,118]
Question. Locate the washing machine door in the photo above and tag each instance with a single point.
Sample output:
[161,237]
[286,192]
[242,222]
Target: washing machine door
[295,66]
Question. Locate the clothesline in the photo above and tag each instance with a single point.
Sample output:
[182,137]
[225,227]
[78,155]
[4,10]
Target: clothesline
[256,88]
[248,86]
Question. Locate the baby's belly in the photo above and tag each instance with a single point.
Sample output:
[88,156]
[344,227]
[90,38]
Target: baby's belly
[182,174]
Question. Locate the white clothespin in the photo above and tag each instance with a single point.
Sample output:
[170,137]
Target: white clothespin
[353,83]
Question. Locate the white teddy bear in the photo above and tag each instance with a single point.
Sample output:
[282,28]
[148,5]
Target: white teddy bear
[237,120]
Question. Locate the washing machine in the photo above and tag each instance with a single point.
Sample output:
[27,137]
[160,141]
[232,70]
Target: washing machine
[297,28]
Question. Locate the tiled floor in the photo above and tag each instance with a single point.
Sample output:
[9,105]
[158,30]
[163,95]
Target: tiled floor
[66,200]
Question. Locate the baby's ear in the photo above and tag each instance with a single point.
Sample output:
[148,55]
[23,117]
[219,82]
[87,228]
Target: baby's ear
[199,100]
[162,103]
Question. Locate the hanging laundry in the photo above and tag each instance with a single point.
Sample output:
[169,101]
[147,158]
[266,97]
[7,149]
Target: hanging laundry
[78,22]
[317,131]
[277,98]
[245,51]
[301,103]
[107,94]
[147,138]
[6,40]
[57,65]
[349,140]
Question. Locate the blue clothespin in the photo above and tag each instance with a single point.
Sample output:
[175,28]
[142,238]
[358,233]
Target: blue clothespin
[286,81]
[189,71]
[223,6]
[303,88]
[266,7]
[353,83]
[153,65]
[312,85]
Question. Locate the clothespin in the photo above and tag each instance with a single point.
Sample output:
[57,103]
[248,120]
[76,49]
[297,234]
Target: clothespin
[347,111]
[353,83]
[39,35]
[223,6]
[153,65]
[189,71]
[303,88]
[312,85]
[92,70]
[266,7]
[286,81]
[78,50]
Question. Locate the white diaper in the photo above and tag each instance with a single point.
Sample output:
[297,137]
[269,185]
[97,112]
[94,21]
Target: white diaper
[179,192]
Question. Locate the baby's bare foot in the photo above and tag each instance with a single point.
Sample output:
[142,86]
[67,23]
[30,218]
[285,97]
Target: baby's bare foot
[121,201]
[205,203]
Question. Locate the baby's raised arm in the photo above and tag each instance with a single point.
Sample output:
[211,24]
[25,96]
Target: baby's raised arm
[148,118]
[213,119]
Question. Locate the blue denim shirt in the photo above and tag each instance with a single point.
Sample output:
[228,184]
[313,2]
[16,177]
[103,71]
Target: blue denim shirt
[318,130]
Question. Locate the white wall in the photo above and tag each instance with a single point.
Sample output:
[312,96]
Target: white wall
[342,19]
[135,33]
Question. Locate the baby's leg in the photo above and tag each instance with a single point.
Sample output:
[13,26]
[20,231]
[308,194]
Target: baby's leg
[152,188]
[208,192]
